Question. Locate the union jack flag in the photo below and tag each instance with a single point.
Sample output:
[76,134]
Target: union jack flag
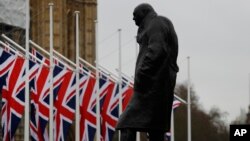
[88,104]
[40,97]
[6,61]
[64,106]
[7,58]
[110,107]
[40,101]
[110,111]
[176,104]
[88,110]
[65,103]
[127,92]
[109,104]
[13,92]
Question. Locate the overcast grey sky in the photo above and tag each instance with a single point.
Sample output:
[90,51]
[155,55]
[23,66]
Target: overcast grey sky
[214,33]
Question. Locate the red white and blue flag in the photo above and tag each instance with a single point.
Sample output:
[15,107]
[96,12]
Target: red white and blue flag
[13,91]
[6,61]
[88,109]
[64,105]
[110,111]
[176,104]
[65,102]
[40,96]
[6,64]
[127,92]
[12,86]
[88,104]
[40,101]
[110,107]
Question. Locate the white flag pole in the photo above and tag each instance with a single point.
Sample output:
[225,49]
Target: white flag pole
[249,98]
[51,102]
[120,72]
[77,120]
[172,125]
[98,112]
[27,97]
[20,48]
[189,100]
[120,76]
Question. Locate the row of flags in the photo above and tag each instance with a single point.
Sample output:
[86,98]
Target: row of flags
[12,86]
[12,89]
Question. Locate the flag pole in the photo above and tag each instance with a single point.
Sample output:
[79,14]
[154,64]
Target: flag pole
[249,98]
[26,116]
[189,100]
[20,48]
[120,76]
[77,114]
[68,63]
[51,102]
[249,88]
[172,125]
[120,72]
[98,112]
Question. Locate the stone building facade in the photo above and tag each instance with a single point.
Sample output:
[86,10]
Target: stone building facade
[64,26]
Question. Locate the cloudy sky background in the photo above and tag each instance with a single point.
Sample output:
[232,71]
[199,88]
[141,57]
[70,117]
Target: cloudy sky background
[214,33]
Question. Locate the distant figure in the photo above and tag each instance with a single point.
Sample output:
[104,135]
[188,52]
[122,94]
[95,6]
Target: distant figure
[149,110]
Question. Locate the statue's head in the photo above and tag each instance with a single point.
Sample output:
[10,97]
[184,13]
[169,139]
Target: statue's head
[141,11]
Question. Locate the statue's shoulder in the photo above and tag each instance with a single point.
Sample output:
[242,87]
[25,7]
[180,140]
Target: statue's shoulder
[164,19]
[159,22]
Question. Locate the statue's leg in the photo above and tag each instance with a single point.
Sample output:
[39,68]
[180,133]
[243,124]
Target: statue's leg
[128,135]
[156,135]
